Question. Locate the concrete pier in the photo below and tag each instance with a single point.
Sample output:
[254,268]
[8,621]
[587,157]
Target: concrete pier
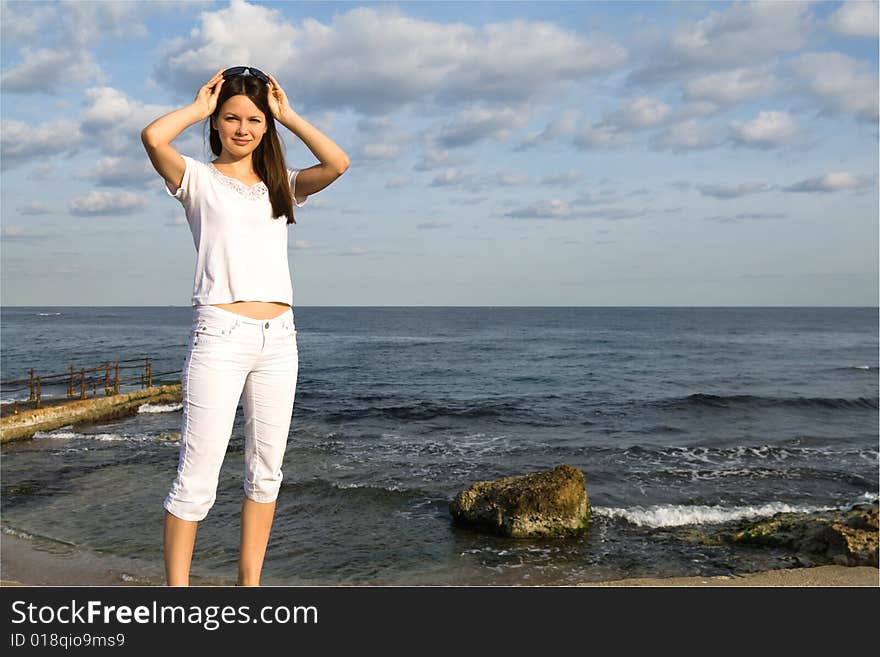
[27,422]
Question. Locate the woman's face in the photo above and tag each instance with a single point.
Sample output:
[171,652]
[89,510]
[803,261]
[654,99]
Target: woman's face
[241,125]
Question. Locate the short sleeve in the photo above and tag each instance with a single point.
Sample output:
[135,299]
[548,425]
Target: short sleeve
[184,192]
[299,201]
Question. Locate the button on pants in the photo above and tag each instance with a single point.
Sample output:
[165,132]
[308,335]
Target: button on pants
[233,358]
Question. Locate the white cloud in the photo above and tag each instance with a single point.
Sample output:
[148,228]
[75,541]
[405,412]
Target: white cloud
[377,59]
[601,197]
[512,178]
[429,225]
[110,123]
[25,21]
[558,209]
[566,179]
[355,251]
[48,69]
[838,181]
[447,178]
[552,209]
[524,59]
[698,108]
[767,130]
[856,18]
[35,208]
[20,142]
[747,216]
[18,233]
[113,122]
[106,204]
[105,106]
[122,172]
[684,136]
[177,220]
[731,86]
[380,140]
[615,214]
[842,83]
[42,171]
[56,40]
[476,123]
[88,22]
[397,182]
[741,34]
[744,32]
[601,136]
[241,32]
[727,192]
[643,112]
[434,157]
[470,200]
[565,125]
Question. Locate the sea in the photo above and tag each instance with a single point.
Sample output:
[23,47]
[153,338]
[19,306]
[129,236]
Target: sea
[679,417]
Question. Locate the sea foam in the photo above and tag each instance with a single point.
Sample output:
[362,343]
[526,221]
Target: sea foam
[17,533]
[159,408]
[676,515]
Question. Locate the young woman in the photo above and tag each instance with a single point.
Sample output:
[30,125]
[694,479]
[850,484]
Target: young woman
[243,339]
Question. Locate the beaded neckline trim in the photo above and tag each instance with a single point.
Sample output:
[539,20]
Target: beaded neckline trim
[251,192]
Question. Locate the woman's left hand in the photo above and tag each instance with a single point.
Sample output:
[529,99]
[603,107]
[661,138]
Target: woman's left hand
[278,103]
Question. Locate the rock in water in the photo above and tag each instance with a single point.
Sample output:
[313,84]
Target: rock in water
[844,537]
[550,503]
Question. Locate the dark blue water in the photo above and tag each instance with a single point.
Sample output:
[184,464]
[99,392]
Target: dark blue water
[676,416]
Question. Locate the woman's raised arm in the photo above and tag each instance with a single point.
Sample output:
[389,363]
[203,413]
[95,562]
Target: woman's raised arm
[334,161]
[157,136]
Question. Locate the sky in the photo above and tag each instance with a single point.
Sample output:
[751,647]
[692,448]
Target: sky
[502,154]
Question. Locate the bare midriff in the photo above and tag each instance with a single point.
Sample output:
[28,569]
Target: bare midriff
[255,309]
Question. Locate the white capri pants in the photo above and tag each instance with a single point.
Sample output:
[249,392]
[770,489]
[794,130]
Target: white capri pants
[230,358]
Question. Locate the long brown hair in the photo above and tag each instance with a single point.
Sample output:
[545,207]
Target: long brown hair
[268,157]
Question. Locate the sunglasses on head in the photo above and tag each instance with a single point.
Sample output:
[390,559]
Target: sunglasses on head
[245,70]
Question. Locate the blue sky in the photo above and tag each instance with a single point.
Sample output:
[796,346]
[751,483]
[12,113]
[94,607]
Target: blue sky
[576,153]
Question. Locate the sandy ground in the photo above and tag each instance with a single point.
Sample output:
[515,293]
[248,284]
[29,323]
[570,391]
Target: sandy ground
[25,562]
[816,576]
[29,562]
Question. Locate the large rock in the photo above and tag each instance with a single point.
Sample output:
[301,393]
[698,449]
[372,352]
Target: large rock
[847,538]
[550,503]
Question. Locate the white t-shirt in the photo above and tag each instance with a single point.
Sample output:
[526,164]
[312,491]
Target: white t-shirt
[241,250]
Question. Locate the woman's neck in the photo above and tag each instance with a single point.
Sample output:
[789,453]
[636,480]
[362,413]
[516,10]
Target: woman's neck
[243,166]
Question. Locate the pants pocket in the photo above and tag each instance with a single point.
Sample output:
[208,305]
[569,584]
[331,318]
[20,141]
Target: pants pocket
[209,332]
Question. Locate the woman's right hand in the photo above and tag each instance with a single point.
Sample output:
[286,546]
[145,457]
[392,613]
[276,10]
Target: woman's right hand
[206,98]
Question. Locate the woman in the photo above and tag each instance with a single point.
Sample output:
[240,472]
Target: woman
[243,342]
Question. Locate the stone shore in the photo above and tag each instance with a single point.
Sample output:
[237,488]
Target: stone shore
[26,423]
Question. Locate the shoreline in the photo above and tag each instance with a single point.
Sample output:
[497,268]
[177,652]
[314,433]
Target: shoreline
[828,576]
[26,562]
[37,562]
